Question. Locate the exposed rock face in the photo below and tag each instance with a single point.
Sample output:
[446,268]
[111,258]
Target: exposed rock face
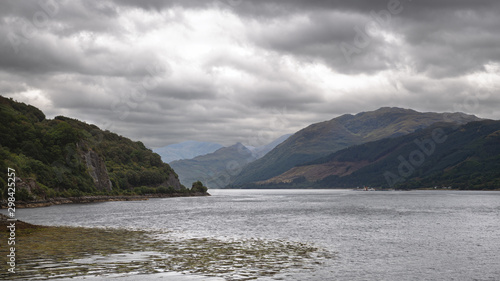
[97,170]
[172,181]
[31,186]
[27,183]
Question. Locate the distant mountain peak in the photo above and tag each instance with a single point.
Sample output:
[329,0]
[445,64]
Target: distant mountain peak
[238,144]
[395,109]
[186,150]
[216,169]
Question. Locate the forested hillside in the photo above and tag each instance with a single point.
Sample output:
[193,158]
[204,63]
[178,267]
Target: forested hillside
[64,157]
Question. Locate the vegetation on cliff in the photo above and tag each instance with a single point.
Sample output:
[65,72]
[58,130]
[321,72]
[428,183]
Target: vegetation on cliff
[64,157]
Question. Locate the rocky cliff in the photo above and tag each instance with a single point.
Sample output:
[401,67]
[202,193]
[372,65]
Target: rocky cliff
[97,170]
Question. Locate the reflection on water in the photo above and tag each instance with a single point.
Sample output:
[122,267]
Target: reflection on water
[418,235]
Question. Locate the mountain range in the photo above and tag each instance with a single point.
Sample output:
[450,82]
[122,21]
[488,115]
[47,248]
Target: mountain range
[321,139]
[386,148]
[218,169]
[186,150]
[442,155]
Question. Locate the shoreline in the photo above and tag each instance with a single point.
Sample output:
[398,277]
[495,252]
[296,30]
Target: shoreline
[96,199]
[95,253]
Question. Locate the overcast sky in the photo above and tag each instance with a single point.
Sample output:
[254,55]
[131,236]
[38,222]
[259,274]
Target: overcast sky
[246,71]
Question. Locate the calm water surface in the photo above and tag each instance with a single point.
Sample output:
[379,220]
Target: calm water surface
[417,235]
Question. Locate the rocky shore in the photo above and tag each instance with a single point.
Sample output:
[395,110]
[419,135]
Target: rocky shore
[20,225]
[96,199]
[64,253]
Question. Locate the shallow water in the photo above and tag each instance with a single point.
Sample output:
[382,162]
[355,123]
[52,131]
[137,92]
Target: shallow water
[417,235]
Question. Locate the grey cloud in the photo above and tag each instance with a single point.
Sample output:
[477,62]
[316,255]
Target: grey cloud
[453,42]
[158,5]
[457,39]
[187,90]
[11,84]
[280,95]
[44,54]
[435,44]
[472,25]
[62,15]
[273,8]
[222,124]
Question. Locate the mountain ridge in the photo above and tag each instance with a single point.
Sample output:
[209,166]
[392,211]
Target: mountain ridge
[218,168]
[214,169]
[320,139]
[442,155]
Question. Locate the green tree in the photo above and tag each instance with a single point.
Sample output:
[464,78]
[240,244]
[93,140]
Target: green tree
[198,187]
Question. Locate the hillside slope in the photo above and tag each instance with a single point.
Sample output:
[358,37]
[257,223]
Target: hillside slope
[260,151]
[463,157]
[320,139]
[65,157]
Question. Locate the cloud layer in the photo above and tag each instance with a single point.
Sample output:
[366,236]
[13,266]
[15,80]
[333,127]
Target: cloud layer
[249,71]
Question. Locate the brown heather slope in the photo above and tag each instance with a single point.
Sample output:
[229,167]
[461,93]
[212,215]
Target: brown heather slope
[316,172]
